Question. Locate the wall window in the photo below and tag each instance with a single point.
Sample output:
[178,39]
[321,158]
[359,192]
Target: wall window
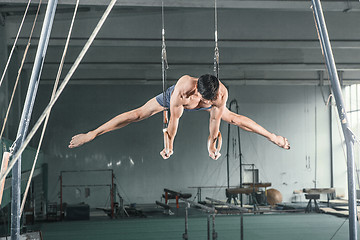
[352,101]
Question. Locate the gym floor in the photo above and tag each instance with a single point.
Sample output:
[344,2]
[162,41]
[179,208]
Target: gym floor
[158,226]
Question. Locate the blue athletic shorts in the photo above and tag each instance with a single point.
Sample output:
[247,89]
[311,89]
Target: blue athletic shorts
[160,97]
[160,100]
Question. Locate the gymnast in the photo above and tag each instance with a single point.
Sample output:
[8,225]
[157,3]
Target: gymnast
[189,94]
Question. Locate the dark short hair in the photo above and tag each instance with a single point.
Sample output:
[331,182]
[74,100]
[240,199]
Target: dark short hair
[208,86]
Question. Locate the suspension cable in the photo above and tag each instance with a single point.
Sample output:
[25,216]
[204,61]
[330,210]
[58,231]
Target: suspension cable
[61,88]
[15,41]
[216,50]
[20,70]
[164,67]
[48,115]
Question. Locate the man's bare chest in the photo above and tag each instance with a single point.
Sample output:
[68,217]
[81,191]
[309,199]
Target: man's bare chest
[193,102]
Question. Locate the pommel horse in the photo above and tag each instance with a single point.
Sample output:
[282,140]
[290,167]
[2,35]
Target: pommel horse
[170,194]
[314,194]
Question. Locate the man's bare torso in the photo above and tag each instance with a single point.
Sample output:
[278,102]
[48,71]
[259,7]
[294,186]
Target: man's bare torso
[185,93]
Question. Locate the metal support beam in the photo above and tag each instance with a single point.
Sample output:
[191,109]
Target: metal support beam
[295,5]
[228,154]
[228,82]
[226,66]
[26,115]
[349,136]
[198,43]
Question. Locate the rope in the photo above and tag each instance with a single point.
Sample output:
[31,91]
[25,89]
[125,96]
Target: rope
[48,115]
[20,70]
[16,39]
[216,50]
[61,88]
[164,66]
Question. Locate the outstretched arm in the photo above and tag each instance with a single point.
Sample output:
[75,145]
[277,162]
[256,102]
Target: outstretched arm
[176,111]
[251,126]
[214,136]
[150,108]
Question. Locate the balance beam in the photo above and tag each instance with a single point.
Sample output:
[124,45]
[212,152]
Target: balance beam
[259,185]
[179,194]
[234,191]
[176,194]
[319,190]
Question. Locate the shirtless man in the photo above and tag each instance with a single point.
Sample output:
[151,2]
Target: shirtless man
[189,94]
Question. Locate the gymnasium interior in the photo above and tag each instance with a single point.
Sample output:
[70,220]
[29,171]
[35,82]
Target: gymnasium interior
[69,66]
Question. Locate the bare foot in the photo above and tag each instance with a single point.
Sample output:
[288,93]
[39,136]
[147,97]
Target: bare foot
[281,141]
[80,139]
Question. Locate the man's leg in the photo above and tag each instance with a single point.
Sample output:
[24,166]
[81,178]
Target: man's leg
[147,110]
[251,126]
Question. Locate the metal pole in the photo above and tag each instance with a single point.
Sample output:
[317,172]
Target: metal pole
[331,150]
[208,227]
[240,156]
[26,115]
[214,233]
[242,226]
[61,196]
[112,195]
[349,137]
[228,149]
[315,182]
[185,234]
[227,155]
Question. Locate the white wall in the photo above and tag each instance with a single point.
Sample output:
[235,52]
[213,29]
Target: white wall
[351,99]
[289,111]
[339,156]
